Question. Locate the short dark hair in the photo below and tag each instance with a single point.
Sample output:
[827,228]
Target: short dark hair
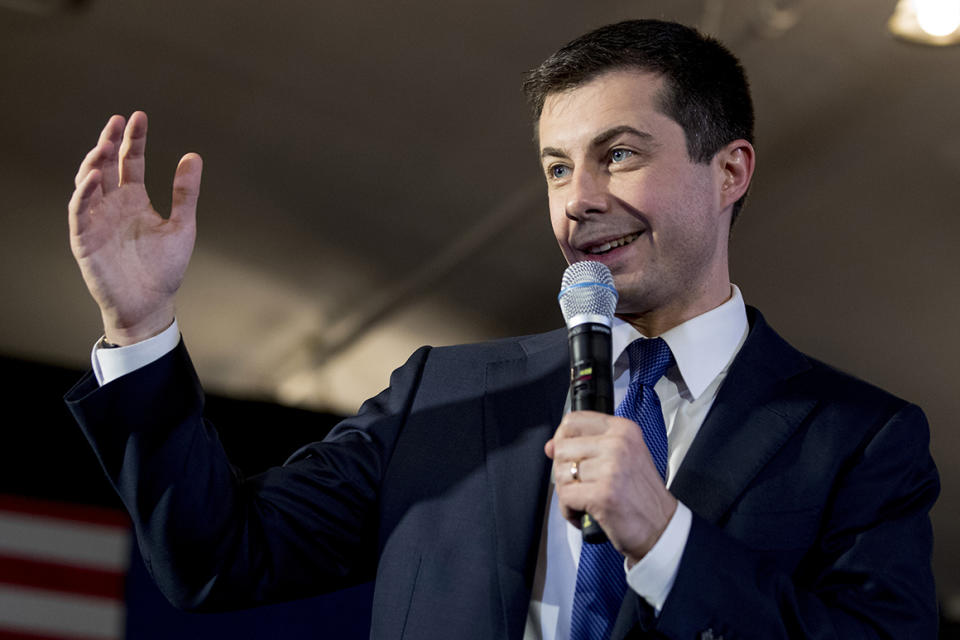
[706,89]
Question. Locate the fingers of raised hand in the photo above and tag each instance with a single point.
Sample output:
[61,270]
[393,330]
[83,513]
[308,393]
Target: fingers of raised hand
[186,188]
[92,161]
[103,156]
[133,149]
[106,161]
[97,174]
[86,196]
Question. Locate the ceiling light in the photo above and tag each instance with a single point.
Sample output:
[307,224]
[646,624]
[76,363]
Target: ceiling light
[932,22]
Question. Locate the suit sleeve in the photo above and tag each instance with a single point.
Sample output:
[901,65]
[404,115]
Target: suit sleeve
[215,540]
[867,574]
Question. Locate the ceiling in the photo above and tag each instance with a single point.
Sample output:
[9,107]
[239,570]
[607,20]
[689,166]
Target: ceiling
[370,185]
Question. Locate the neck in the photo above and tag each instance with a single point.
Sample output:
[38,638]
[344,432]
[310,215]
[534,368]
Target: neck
[657,321]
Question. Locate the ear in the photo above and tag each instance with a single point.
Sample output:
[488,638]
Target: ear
[735,163]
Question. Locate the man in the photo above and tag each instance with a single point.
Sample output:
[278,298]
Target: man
[796,498]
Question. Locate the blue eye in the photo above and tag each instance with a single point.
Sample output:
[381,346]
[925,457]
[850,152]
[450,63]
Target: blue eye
[619,155]
[559,171]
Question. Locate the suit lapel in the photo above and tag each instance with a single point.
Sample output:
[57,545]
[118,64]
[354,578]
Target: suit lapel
[522,408]
[746,426]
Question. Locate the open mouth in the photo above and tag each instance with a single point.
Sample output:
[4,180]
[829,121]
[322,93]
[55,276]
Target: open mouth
[613,244]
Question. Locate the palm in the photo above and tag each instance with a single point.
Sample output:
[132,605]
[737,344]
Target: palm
[132,259]
[153,252]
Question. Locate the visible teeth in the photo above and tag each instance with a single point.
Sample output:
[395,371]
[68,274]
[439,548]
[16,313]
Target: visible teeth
[613,244]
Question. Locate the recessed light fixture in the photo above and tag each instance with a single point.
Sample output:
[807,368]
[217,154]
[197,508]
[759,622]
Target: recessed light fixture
[931,22]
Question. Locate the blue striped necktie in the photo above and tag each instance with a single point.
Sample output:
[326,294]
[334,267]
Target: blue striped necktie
[601,582]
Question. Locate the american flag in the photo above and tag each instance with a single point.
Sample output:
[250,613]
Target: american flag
[62,569]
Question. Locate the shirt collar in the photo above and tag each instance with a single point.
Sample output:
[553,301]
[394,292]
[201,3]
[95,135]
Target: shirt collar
[702,346]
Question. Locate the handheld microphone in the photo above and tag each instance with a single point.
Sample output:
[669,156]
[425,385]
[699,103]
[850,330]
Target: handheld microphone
[588,300]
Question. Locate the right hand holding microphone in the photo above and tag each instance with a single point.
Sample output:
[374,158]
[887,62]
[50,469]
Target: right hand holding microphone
[617,482]
[131,258]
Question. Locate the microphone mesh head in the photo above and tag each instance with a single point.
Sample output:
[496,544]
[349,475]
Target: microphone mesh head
[587,288]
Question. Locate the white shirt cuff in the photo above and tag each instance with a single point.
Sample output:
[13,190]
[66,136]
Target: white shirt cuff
[110,364]
[653,576]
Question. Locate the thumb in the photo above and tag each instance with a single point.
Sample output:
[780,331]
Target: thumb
[186,188]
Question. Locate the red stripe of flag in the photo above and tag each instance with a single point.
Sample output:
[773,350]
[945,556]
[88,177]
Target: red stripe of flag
[59,576]
[64,511]
[9,634]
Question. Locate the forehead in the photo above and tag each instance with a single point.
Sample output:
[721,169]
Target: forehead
[613,99]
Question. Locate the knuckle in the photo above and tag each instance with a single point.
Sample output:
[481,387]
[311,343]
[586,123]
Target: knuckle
[622,427]
[604,497]
[559,477]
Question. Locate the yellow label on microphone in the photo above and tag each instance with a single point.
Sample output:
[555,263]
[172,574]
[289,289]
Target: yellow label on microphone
[581,373]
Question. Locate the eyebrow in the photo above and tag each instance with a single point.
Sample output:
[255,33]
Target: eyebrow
[601,138]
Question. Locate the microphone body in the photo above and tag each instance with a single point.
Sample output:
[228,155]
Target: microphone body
[588,300]
[591,375]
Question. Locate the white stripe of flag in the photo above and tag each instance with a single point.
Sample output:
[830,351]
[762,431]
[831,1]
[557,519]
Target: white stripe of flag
[61,570]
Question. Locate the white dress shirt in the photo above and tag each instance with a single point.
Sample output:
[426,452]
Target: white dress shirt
[703,348]
[110,364]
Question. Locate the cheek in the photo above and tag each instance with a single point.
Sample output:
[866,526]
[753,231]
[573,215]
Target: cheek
[559,221]
[662,199]
[641,192]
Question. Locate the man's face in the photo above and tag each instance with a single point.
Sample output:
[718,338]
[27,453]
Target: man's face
[623,191]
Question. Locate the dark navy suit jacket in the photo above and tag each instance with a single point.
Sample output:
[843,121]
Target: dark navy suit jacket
[810,492]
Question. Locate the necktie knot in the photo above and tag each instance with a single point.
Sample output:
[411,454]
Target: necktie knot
[649,360]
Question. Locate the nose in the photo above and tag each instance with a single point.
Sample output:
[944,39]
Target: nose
[587,194]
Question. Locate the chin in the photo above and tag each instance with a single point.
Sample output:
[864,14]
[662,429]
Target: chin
[636,297]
